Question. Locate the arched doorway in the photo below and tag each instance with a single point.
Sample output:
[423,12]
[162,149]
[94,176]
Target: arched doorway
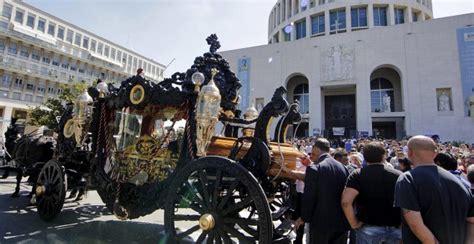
[388,119]
[298,90]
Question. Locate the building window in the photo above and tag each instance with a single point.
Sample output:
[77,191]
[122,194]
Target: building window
[6,80]
[301,29]
[337,20]
[118,56]
[39,99]
[359,17]
[3,94]
[30,87]
[106,51]
[301,94]
[381,95]
[7,10]
[77,39]
[50,90]
[124,58]
[73,68]
[41,25]
[85,42]
[55,63]
[317,24]
[99,48]
[414,16]
[40,89]
[30,21]
[46,60]
[19,15]
[112,53]
[65,65]
[51,29]
[2,45]
[286,35]
[69,36]
[35,56]
[16,96]
[12,49]
[399,16]
[24,53]
[28,98]
[380,16]
[18,83]
[93,43]
[61,32]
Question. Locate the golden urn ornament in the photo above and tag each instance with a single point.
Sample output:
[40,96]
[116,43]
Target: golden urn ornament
[75,125]
[207,114]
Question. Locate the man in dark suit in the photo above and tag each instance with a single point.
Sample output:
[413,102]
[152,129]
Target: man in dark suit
[324,183]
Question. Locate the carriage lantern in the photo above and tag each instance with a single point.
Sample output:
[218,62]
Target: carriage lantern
[249,115]
[207,112]
[103,89]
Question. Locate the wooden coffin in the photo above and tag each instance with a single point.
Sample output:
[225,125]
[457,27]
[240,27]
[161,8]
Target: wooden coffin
[221,146]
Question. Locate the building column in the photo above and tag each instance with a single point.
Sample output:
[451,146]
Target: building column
[409,16]
[315,109]
[293,32]
[293,7]
[327,25]
[308,26]
[348,19]
[282,11]
[422,16]
[370,15]
[391,15]
[287,9]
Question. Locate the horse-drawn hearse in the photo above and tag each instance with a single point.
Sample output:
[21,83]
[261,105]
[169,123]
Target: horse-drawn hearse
[148,146]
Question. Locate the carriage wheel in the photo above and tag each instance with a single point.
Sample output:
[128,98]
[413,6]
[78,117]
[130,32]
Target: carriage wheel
[50,190]
[215,200]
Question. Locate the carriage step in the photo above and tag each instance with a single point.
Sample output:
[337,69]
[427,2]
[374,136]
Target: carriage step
[285,232]
[277,215]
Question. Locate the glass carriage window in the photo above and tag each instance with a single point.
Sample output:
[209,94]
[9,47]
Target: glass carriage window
[380,16]
[399,16]
[301,93]
[380,88]
[337,20]
[359,17]
[317,24]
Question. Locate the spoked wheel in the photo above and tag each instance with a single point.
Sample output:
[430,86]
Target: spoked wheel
[215,200]
[50,190]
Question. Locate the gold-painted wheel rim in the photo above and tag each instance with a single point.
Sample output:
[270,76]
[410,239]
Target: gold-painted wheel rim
[68,130]
[137,94]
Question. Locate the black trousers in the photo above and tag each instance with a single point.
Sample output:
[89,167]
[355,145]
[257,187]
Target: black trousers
[319,237]
[296,215]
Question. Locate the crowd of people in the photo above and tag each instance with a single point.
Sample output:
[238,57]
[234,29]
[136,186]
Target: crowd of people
[384,191]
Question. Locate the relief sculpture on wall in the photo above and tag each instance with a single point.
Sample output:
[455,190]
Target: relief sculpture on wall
[337,63]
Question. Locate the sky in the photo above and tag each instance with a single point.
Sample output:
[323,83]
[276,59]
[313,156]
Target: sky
[166,30]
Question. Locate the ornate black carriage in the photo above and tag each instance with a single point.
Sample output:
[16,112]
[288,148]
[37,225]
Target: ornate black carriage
[153,146]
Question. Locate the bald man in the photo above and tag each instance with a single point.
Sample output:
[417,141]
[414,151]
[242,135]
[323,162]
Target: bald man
[436,207]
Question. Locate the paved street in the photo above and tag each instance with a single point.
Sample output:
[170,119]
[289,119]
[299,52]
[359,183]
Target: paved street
[86,222]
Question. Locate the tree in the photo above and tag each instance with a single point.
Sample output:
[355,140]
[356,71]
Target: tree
[52,108]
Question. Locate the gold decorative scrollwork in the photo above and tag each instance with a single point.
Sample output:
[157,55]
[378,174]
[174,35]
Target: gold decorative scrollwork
[147,160]
[137,94]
